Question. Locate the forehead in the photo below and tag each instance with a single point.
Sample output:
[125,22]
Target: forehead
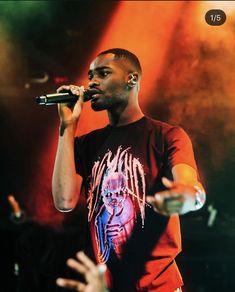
[107,60]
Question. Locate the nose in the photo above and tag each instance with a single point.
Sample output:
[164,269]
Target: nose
[93,83]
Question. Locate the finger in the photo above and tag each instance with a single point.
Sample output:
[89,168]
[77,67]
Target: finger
[167,183]
[174,197]
[173,207]
[166,204]
[155,200]
[157,204]
[76,266]
[76,90]
[85,260]
[81,93]
[170,193]
[173,211]
[168,211]
[63,87]
[159,198]
[71,284]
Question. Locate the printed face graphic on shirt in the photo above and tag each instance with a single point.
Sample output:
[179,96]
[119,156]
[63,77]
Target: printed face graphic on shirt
[114,191]
[116,198]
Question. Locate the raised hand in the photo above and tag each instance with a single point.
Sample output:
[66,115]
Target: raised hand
[70,112]
[93,275]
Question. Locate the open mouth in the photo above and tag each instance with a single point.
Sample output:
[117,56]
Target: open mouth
[94,99]
[95,96]
[94,93]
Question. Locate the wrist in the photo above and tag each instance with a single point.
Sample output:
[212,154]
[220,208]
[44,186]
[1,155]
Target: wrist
[71,125]
[194,200]
[200,197]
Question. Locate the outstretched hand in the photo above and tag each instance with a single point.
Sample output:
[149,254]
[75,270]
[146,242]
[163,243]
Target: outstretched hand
[93,275]
[177,199]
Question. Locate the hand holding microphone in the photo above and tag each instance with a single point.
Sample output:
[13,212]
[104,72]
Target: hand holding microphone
[70,112]
[69,99]
[62,96]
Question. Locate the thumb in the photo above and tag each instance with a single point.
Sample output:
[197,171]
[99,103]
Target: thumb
[167,183]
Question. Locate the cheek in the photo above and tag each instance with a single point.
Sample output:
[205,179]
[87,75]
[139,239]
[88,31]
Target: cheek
[116,92]
[116,86]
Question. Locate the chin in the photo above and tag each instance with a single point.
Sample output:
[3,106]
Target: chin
[97,108]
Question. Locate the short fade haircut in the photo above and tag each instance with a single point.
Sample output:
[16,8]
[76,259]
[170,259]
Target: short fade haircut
[124,54]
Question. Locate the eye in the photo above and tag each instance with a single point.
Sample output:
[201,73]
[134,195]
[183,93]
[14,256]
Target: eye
[104,73]
[90,76]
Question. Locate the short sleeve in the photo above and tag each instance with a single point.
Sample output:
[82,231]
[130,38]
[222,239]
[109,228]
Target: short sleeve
[179,148]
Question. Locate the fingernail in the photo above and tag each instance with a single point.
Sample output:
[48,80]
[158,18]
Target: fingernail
[59,282]
[70,261]
[80,253]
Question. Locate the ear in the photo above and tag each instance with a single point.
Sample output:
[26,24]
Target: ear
[133,79]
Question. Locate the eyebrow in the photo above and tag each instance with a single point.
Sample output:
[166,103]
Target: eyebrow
[99,69]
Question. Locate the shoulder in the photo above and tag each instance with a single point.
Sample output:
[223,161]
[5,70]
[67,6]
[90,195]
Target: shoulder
[169,133]
[164,127]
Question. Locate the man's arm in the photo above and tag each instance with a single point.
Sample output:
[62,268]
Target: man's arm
[66,183]
[183,195]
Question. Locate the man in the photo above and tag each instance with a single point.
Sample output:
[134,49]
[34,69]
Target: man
[138,175]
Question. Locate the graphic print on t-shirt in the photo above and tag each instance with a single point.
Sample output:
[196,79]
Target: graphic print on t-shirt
[116,197]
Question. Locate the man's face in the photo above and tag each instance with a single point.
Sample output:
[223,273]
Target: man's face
[108,82]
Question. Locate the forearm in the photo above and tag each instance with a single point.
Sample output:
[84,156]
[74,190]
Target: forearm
[66,183]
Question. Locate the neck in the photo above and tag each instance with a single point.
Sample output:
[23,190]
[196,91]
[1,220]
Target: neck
[123,116]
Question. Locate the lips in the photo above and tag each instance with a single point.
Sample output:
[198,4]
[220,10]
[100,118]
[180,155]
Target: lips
[95,96]
[94,93]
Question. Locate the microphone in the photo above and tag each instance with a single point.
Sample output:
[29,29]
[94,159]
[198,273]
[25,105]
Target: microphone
[62,97]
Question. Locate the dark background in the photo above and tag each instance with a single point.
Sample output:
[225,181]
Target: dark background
[44,44]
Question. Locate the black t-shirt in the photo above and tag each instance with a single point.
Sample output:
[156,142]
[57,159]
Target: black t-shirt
[120,166]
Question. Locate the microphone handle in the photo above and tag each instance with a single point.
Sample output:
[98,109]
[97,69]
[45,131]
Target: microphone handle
[62,97]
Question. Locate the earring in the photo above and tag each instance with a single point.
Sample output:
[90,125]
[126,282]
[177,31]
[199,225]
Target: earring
[132,82]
